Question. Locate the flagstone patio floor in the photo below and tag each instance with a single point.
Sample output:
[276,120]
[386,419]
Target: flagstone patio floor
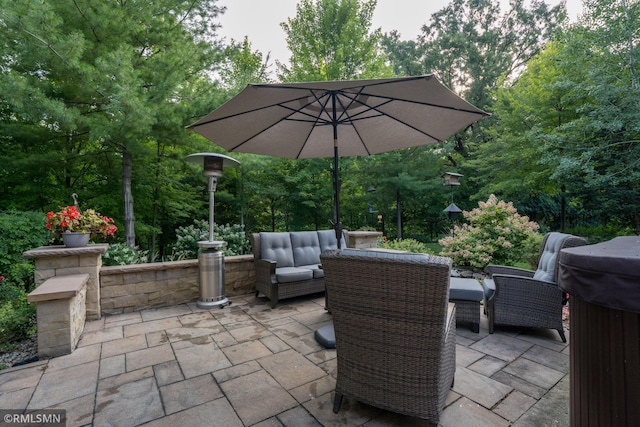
[250,365]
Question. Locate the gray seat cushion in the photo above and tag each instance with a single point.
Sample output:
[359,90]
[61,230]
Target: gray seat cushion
[465,290]
[277,247]
[318,272]
[293,274]
[306,247]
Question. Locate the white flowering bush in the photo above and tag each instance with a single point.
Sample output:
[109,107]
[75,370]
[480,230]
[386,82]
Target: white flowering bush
[494,233]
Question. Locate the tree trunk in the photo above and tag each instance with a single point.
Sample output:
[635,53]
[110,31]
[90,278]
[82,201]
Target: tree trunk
[127,197]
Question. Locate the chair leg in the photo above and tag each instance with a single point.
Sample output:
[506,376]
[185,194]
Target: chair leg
[490,318]
[475,327]
[257,293]
[337,403]
[561,332]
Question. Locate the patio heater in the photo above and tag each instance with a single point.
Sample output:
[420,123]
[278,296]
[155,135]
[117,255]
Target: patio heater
[211,255]
[452,179]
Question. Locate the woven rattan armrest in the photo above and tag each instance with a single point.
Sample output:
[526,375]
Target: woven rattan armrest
[503,269]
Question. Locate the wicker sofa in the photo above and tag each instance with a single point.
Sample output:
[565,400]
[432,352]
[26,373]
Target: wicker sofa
[394,330]
[288,263]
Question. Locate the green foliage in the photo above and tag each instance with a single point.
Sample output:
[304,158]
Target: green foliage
[20,232]
[407,245]
[186,246]
[531,252]
[494,233]
[243,66]
[602,233]
[331,40]
[121,254]
[88,90]
[17,315]
[470,44]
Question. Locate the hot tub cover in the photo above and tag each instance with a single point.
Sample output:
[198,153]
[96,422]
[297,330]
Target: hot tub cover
[606,274]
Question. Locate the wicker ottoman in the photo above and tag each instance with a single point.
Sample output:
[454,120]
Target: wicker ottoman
[466,294]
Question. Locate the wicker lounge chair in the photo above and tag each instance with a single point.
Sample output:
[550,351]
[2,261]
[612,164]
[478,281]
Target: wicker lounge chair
[394,330]
[518,297]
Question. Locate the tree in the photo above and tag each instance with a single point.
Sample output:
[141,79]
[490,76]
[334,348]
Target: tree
[404,55]
[242,66]
[331,40]
[470,44]
[509,163]
[598,150]
[570,123]
[100,80]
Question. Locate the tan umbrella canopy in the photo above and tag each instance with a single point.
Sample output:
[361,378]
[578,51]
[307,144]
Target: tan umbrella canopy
[338,118]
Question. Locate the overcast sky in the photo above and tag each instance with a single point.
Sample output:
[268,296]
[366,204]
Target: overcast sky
[260,20]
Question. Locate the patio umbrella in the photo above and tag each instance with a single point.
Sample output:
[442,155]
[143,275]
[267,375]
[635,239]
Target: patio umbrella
[337,118]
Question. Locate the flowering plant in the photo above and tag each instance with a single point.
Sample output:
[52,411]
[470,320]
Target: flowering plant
[70,219]
[494,233]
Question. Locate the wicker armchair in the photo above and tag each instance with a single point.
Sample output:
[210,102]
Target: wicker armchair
[518,297]
[394,330]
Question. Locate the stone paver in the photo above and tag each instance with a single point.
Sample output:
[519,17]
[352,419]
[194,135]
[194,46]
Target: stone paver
[149,357]
[464,412]
[514,405]
[249,365]
[198,357]
[533,372]
[480,389]
[257,396]
[167,373]
[123,345]
[60,385]
[502,347]
[189,393]
[551,410]
[131,403]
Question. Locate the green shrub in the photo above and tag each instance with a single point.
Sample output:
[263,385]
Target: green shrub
[408,245]
[17,315]
[602,233]
[20,232]
[494,233]
[121,254]
[186,246]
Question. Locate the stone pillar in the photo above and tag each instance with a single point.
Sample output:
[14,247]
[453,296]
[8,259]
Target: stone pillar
[363,239]
[51,261]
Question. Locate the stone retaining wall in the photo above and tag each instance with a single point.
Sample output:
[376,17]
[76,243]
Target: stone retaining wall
[136,287]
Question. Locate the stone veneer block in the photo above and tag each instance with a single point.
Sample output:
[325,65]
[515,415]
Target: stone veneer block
[59,287]
[61,313]
[364,239]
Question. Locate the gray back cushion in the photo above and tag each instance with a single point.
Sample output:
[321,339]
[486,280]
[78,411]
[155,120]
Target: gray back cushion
[277,247]
[328,240]
[306,247]
[547,265]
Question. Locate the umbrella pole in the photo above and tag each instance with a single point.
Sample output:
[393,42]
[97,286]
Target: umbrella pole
[337,225]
